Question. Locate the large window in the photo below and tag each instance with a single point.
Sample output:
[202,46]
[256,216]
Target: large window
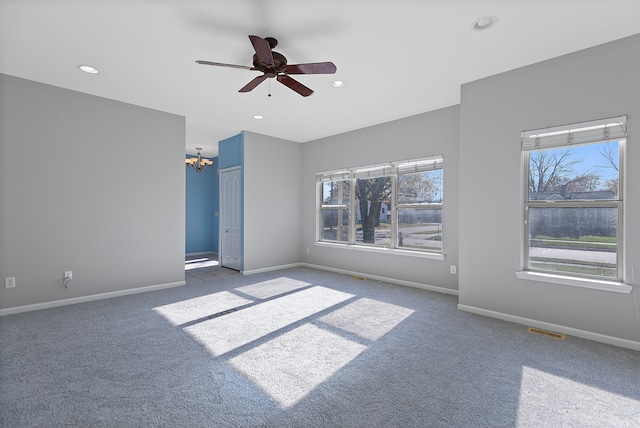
[335,207]
[396,205]
[573,199]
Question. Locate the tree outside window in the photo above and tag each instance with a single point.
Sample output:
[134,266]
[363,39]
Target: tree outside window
[395,205]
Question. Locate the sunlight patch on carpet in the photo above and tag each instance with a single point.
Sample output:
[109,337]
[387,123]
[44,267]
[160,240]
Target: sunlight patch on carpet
[368,318]
[200,307]
[273,287]
[557,398]
[226,333]
[292,365]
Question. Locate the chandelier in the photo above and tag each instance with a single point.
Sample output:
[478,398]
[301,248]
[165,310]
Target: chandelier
[198,163]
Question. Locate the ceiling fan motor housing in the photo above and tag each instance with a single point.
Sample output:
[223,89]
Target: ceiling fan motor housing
[279,62]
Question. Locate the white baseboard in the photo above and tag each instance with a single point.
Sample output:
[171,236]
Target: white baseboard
[442,290]
[90,298]
[596,337]
[271,268]
[202,253]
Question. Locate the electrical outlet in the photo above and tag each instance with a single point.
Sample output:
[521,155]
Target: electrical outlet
[68,275]
[10,282]
[307,250]
[453,269]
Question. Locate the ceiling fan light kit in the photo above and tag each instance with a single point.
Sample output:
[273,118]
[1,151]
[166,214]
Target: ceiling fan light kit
[274,65]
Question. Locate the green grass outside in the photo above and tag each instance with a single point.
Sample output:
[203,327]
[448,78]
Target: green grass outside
[586,242]
[584,238]
[601,271]
[563,262]
[426,232]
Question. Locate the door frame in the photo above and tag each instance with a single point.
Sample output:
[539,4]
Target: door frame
[221,234]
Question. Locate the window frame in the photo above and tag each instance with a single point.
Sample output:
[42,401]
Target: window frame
[392,170]
[568,136]
[420,206]
[339,208]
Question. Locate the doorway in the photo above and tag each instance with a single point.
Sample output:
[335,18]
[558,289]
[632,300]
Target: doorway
[230,253]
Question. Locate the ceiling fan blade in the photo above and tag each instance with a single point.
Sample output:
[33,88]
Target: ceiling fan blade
[311,68]
[220,64]
[263,50]
[294,84]
[255,82]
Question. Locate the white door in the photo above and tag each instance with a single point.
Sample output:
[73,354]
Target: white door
[230,219]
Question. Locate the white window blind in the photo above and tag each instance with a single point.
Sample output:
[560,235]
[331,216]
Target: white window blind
[419,165]
[431,163]
[611,129]
[372,171]
[334,175]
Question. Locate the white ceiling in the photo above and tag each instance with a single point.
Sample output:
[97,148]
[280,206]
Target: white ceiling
[398,58]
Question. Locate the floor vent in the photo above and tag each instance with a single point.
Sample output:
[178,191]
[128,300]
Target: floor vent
[546,333]
[359,278]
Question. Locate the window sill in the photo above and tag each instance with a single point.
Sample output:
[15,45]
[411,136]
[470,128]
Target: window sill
[617,287]
[394,251]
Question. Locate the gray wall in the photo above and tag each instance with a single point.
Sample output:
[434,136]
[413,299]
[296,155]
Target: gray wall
[272,202]
[89,185]
[119,225]
[592,84]
[418,136]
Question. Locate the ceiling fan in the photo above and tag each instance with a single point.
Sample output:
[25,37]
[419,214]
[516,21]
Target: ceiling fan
[273,64]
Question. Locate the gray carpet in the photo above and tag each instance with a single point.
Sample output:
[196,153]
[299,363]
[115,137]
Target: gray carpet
[302,348]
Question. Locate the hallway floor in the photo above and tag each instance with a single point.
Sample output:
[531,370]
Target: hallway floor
[205,267]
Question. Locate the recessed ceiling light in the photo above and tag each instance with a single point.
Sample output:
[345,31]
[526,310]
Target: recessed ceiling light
[484,23]
[258,116]
[88,69]
[337,84]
